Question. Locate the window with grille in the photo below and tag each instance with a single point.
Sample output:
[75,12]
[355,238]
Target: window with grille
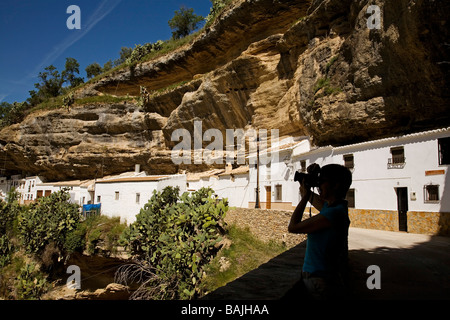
[117,195]
[431,193]
[398,155]
[398,158]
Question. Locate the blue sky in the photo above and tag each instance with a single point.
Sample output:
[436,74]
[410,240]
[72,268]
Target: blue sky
[34,35]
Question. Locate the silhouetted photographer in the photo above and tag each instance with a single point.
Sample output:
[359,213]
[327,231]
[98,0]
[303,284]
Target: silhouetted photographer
[326,254]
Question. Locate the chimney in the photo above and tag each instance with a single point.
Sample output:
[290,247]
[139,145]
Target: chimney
[137,168]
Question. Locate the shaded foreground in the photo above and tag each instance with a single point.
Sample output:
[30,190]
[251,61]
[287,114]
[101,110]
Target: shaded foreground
[413,267]
[419,271]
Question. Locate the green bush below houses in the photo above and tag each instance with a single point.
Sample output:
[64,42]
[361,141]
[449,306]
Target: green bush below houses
[173,239]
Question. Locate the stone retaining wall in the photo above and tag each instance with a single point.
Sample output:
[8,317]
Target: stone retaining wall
[433,223]
[374,219]
[265,224]
[272,224]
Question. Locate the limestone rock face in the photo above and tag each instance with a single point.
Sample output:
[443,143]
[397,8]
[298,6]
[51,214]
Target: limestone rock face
[302,67]
[356,83]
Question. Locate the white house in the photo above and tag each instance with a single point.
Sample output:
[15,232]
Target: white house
[26,187]
[124,196]
[401,183]
[277,190]
[15,182]
[28,192]
[198,180]
[81,192]
[231,183]
[234,184]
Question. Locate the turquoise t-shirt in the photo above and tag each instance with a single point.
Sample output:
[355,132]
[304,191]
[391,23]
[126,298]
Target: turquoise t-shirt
[327,249]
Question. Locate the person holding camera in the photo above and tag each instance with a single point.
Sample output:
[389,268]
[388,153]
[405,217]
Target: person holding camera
[325,262]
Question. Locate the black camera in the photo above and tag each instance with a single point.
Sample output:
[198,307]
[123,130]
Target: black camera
[310,179]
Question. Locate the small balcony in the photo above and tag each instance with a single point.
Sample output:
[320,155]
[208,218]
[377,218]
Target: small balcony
[396,163]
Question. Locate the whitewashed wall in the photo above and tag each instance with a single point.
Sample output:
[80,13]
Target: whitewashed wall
[237,192]
[375,185]
[127,207]
[273,174]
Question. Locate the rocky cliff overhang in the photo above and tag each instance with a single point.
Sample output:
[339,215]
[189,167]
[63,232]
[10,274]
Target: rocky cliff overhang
[302,67]
[231,34]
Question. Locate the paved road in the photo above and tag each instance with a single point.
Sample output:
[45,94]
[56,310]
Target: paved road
[370,239]
[412,266]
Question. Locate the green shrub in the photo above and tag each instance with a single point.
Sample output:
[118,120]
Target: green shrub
[12,113]
[217,7]
[76,239]
[30,283]
[140,51]
[94,234]
[325,82]
[322,82]
[176,237]
[327,88]
[330,63]
[9,212]
[50,219]
[6,250]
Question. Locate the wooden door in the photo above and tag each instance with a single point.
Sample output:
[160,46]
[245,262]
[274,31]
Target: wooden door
[268,197]
[402,205]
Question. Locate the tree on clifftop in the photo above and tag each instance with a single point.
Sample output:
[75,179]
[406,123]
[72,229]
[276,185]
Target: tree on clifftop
[93,70]
[51,81]
[71,68]
[184,22]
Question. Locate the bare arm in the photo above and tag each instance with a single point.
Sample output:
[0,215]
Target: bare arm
[316,201]
[318,222]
